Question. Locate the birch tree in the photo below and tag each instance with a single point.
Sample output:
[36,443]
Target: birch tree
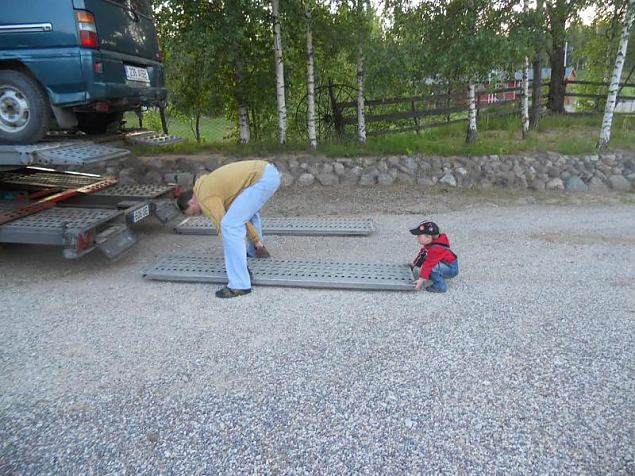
[310,76]
[280,96]
[361,117]
[607,121]
[471,99]
[362,5]
[524,104]
[243,111]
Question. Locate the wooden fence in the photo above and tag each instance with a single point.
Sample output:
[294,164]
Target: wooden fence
[416,113]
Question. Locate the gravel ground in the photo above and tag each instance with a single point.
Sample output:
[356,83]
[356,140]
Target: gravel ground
[525,366]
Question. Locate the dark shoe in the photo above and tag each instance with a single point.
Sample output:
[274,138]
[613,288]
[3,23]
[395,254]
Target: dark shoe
[262,252]
[434,289]
[230,293]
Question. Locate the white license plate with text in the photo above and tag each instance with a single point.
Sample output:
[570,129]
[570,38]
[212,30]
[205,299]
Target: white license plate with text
[140,213]
[134,73]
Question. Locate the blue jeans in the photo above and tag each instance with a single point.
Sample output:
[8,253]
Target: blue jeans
[443,271]
[243,209]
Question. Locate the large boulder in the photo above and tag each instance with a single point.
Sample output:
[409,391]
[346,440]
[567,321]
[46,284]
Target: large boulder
[575,184]
[619,183]
[306,179]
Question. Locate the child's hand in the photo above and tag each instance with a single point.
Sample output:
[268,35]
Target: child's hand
[418,284]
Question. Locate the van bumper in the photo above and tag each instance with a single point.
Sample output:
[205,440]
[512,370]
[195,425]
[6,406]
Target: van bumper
[107,82]
[99,77]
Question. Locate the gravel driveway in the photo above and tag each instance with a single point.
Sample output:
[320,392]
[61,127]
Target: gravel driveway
[525,366]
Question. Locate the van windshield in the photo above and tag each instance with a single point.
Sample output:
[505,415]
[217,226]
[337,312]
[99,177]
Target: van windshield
[140,6]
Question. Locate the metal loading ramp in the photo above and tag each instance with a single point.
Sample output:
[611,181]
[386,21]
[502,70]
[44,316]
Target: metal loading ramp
[288,273]
[201,225]
[59,153]
[48,227]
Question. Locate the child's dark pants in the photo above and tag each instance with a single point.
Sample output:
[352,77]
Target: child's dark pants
[443,271]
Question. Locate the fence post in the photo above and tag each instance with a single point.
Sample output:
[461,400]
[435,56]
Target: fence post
[414,114]
[139,114]
[164,122]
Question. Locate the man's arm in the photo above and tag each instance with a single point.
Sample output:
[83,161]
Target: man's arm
[252,234]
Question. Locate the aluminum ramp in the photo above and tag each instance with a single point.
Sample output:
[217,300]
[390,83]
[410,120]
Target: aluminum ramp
[77,230]
[150,138]
[59,153]
[201,225]
[288,273]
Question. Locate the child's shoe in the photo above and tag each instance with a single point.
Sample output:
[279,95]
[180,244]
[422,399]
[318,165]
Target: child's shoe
[434,289]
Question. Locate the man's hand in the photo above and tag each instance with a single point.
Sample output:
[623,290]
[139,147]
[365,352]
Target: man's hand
[418,284]
[261,251]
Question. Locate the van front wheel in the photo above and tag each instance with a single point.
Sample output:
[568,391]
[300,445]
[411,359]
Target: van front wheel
[98,122]
[25,113]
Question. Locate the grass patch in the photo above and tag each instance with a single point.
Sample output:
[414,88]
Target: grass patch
[564,134]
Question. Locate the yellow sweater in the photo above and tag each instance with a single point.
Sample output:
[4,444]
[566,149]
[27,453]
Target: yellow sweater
[216,191]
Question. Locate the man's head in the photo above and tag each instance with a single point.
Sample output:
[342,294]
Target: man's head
[426,231]
[188,203]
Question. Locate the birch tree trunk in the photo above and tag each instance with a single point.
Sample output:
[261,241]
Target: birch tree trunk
[243,111]
[471,128]
[605,133]
[243,124]
[361,118]
[525,99]
[310,77]
[277,46]
[524,104]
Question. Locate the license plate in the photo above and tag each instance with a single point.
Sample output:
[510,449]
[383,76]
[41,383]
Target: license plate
[134,73]
[140,213]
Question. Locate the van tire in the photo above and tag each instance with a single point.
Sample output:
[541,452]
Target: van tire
[25,111]
[98,122]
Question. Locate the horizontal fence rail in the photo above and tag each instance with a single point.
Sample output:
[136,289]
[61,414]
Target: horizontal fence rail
[394,115]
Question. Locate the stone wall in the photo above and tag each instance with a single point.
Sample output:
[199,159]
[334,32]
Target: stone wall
[539,171]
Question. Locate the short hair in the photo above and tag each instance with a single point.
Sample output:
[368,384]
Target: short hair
[183,199]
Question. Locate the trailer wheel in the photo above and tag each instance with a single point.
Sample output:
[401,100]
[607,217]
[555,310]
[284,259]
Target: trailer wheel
[98,122]
[25,113]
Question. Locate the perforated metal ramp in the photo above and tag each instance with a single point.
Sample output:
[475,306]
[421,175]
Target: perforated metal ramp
[201,225]
[291,273]
[59,153]
[48,179]
[49,226]
[151,138]
[136,190]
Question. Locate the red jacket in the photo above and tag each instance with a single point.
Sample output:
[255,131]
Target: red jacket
[430,255]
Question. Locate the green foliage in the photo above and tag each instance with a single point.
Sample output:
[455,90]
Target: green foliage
[564,134]
[219,54]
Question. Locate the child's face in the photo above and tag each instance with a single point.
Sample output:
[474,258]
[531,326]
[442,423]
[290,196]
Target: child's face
[424,239]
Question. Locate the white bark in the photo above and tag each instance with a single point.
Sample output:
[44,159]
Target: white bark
[310,78]
[471,98]
[524,104]
[243,125]
[277,46]
[607,121]
[361,118]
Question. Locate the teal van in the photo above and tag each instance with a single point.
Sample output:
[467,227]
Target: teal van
[75,64]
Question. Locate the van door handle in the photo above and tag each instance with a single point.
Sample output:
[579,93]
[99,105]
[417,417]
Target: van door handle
[26,28]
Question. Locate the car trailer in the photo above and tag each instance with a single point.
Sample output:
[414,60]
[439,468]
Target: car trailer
[79,212]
